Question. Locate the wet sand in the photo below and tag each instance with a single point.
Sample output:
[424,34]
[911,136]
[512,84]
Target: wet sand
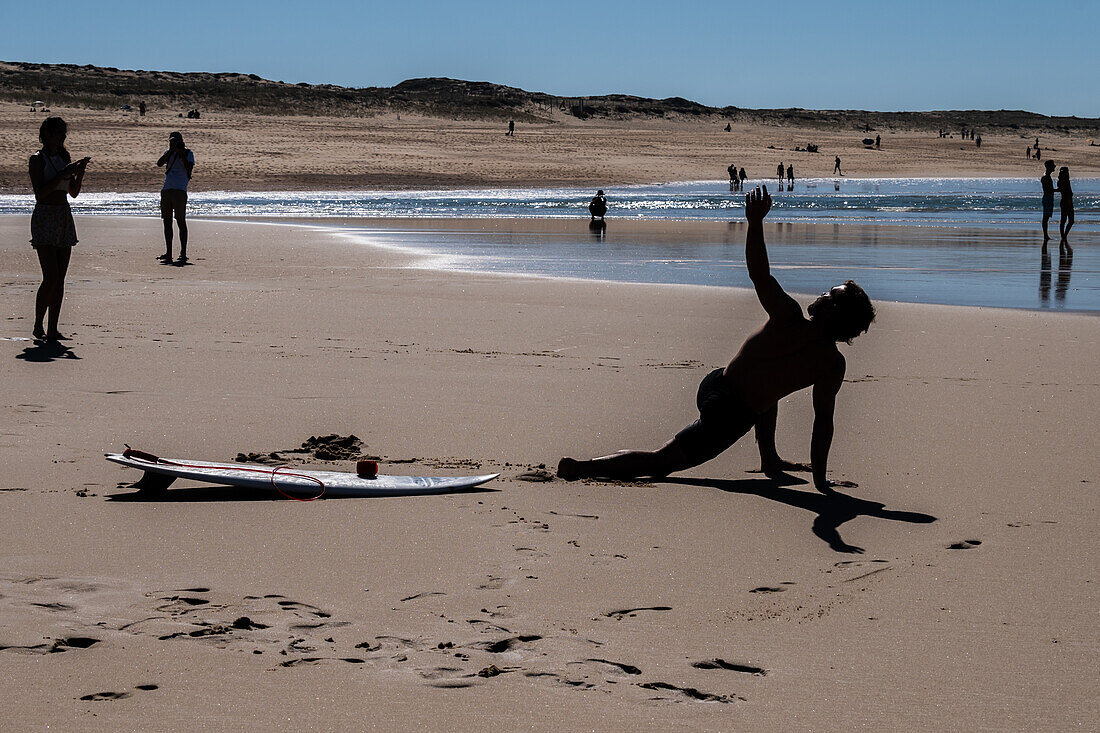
[715,600]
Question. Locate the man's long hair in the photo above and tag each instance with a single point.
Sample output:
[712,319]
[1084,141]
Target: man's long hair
[846,315]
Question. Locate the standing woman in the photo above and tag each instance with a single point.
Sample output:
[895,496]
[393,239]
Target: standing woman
[1065,203]
[53,233]
[173,194]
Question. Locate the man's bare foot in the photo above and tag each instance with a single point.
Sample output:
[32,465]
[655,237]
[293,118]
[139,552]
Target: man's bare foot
[568,469]
[39,333]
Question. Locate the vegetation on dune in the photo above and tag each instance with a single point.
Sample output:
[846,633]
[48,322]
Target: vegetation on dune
[108,87]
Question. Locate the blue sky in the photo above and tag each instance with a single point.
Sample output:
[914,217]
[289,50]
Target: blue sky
[1037,56]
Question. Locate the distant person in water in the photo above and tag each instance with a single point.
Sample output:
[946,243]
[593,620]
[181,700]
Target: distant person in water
[836,166]
[788,353]
[732,170]
[1065,204]
[511,128]
[779,171]
[790,176]
[1048,198]
[54,178]
[180,164]
[598,206]
[743,177]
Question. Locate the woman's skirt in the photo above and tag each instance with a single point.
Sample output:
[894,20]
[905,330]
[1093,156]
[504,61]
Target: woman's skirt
[52,225]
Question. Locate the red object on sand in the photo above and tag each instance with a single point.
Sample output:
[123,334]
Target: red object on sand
[366,469]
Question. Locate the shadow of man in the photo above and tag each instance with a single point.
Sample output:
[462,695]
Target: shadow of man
[832,509]
[44,351]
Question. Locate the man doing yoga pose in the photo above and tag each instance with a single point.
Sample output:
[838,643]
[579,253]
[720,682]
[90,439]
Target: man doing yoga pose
[788,353]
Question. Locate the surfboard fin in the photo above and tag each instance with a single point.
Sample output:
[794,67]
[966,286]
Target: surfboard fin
[153,483]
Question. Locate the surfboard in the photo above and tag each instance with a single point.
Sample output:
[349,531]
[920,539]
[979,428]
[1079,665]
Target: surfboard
[291,480]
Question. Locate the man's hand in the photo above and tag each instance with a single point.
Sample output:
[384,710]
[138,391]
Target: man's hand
[757,205]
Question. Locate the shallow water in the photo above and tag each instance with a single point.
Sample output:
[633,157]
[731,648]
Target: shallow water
[945,265]
[998,202]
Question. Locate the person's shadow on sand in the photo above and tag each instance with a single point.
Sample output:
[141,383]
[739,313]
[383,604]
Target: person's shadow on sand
[832,509]
[41,352]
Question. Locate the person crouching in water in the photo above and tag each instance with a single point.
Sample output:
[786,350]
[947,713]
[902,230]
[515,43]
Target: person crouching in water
[53,233]
[180,163]
[598,206]
[788,353]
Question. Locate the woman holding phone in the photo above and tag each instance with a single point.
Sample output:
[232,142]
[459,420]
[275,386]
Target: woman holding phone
[54,177]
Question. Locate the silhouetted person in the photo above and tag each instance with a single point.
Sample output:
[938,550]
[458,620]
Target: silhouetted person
[779,174]
[728,128]
[1036,143]
[1048,198]
[1029,152]
[878,142]
[788,353]
[732,170]
[836,166]
[141,108]
[598,206]
[978,141]
[743,177]
[1038,153]
[790,175]
[180,164]
[54,178]
[511,128]
[1065,204]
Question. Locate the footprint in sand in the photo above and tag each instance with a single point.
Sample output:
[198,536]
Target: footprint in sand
[99,696]
[632,612]
[730,666]
[617,667]
[504,645]
[319,660]
[108,695]
[56,647]
[964,545]
[686,693]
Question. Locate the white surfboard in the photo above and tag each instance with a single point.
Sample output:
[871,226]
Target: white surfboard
[294,481]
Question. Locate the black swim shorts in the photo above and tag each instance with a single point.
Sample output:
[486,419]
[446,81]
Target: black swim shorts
[723,419]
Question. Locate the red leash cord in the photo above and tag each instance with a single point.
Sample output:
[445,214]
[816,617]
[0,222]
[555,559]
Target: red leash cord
[150,458]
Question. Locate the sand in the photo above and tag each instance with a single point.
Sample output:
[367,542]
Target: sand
[253,152]
[582,605]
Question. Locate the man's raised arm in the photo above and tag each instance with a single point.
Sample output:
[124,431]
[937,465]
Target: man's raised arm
[775,301]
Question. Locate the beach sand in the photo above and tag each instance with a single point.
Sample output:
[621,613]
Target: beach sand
[242,151]
[582,605]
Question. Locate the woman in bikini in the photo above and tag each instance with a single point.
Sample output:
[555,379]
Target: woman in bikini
[53,233]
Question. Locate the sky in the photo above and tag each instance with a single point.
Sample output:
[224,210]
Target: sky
[912,55]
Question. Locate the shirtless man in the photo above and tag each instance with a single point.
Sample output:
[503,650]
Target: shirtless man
[788,353]
[1048,198]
